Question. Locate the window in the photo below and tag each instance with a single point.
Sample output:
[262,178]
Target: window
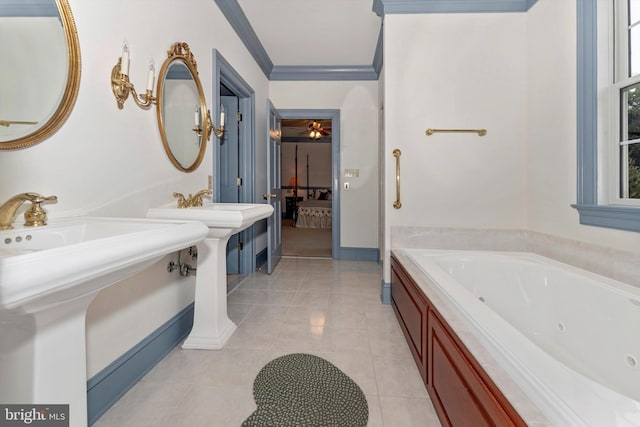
[625,102]
[616,205]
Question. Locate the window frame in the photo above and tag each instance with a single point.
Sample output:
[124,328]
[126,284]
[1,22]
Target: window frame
[591,212]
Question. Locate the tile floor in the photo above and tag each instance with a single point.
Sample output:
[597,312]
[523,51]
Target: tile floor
[320,306]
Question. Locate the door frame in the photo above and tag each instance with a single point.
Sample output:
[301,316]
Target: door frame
[334,116]
[224,73]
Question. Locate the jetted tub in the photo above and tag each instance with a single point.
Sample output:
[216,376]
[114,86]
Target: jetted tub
[570,339]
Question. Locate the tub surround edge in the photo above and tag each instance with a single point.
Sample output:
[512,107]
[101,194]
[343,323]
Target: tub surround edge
[616,264]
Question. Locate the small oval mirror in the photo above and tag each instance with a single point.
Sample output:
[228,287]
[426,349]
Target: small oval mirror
[40,70]
[182,112]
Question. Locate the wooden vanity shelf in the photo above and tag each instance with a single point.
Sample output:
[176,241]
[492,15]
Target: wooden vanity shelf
[461,391]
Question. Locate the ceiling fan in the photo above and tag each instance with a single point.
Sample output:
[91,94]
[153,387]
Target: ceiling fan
[316,130]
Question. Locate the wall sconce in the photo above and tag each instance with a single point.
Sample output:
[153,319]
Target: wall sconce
[208,125]
[218,132]
[121,86]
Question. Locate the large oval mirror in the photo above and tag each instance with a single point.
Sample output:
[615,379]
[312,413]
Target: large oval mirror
[182,112]
[40,73]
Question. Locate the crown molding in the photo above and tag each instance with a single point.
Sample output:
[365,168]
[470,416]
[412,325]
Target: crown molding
[378,55]
[313,72]
[386,7]
[239,22]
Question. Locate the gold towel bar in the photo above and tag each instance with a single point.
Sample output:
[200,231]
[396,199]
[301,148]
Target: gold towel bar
[7,123]
[480,132]
[396,154]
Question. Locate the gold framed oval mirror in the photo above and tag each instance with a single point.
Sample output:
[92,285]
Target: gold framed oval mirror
[41,70]
[183,119]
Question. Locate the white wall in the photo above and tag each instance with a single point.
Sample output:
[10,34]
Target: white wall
[358,105]
[551,128]
[514,74]
[455,71]
[106,161]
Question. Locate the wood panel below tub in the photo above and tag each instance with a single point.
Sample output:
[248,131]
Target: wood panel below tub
[460,390]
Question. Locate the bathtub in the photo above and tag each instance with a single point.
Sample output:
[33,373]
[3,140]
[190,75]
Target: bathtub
[568,338]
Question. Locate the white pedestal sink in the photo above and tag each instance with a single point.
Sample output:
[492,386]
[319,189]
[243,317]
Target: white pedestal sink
[48,277]
[211,324]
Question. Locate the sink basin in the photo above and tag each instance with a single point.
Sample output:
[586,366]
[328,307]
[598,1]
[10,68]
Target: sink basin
[76,256]
[211,325]
[48,277]
[236,216]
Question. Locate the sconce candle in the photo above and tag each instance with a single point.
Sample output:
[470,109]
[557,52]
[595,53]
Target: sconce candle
[151,77]
[124,59]
[222,116]
[197,117]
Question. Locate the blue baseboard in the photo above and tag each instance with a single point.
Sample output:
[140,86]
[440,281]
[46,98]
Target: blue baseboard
[107,386]
[358,254]
[385,292]
[261,258]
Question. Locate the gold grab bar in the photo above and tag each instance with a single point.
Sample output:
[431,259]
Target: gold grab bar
[396,154]
[480,132]
[7,123]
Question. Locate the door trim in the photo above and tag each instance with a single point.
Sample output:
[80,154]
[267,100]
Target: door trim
[334,115]
[224,73]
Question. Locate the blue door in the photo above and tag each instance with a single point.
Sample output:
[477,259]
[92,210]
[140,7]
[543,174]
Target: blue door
[229,174]
[274,188]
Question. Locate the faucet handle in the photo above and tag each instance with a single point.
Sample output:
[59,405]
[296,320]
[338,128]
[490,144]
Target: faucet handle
[182,202]
[196,199]
[36,216]
[41,199]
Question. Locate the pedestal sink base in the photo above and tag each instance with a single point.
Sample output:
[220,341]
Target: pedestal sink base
[45,360]
[208,342]
[211,325]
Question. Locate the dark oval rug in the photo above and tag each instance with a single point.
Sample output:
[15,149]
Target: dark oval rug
[306,390]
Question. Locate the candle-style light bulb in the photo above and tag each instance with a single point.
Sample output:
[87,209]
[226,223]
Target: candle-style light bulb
[124,60]
[151,76]
[197,116]
[221,115]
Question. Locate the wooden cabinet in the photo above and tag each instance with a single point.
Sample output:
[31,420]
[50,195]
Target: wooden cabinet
[461,391]
[411,310]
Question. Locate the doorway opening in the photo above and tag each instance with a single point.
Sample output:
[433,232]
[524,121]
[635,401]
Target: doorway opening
[309,176]
[234,160]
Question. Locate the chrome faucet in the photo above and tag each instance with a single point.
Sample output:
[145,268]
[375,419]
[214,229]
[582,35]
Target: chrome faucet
[35,216]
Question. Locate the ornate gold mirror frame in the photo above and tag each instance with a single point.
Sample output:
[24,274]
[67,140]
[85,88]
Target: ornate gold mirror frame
[201,126]
[68,99]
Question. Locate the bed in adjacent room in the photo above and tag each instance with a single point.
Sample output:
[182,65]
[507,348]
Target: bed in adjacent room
[315,213]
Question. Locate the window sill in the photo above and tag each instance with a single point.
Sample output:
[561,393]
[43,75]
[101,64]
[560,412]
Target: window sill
[619,217]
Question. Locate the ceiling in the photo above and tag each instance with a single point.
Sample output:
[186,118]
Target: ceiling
[315,32]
